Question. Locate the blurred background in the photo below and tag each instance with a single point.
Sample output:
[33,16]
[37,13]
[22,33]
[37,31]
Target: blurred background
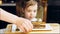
[53,10]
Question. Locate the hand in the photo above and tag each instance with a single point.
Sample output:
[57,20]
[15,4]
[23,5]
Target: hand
[24,24]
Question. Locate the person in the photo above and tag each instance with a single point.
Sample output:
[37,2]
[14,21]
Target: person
[22,23]
[28,9]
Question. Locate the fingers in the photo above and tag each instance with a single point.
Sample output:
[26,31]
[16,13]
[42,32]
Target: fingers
[22,28]
[30,26]
[26,25]
[29,23]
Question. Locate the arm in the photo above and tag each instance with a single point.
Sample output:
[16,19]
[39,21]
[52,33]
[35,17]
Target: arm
[7,16]
[23,24]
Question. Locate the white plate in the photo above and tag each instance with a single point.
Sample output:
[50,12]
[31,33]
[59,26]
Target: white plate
[48,27]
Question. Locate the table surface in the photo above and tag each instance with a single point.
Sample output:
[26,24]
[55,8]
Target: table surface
[55,29]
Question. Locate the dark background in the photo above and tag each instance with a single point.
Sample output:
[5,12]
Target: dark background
[53,12]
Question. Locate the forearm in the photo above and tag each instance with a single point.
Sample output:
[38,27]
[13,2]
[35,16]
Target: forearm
[8,16]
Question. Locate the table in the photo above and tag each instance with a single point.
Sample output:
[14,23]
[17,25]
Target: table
[55,30]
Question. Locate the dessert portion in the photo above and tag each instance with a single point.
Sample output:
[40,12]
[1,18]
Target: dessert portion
[38,25]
